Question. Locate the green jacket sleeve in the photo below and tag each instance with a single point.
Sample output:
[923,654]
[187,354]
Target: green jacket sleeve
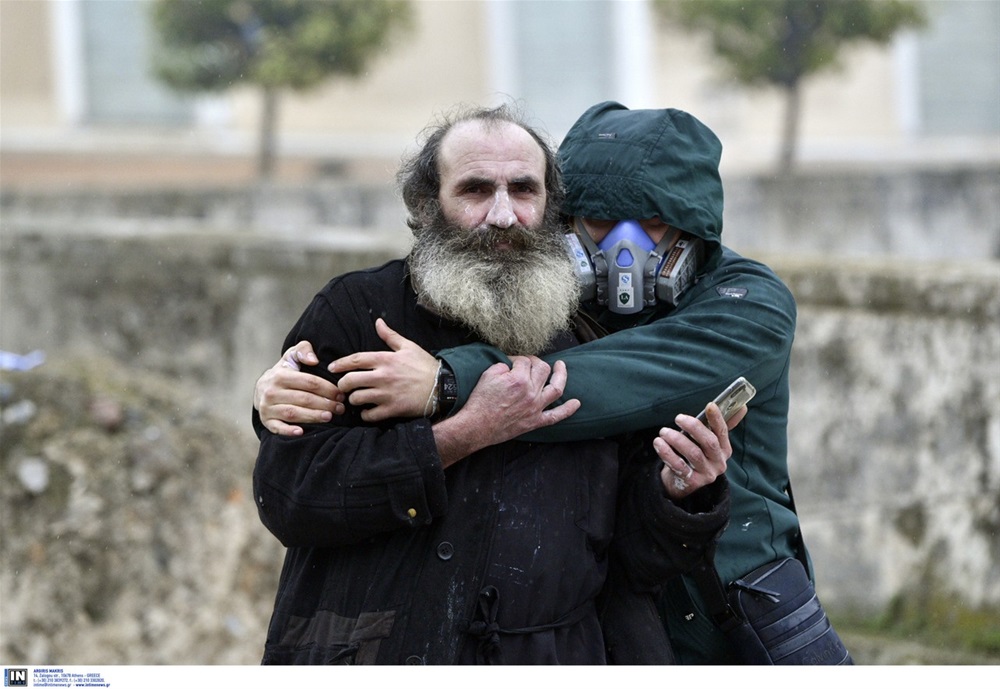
[738,320]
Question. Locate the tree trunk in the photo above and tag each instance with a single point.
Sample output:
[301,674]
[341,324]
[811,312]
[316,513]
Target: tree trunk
[790,128]
[266,151]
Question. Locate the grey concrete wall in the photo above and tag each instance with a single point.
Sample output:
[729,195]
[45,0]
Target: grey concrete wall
[212,308]
[895,428]
[926,214]
[895,422]
[272,207]
[911,212]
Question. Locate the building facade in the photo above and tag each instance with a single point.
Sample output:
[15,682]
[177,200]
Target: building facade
[75,73]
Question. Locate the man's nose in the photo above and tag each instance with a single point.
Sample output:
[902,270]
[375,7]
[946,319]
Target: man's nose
[501,214]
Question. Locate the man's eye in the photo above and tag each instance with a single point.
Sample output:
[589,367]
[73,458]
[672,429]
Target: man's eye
[523,189]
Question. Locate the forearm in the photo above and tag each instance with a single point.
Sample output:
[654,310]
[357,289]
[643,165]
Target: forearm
[644,384]
[506,403]
[643,377]
[456,438]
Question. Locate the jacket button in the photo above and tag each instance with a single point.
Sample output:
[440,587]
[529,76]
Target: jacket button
[414,660]
[445,550]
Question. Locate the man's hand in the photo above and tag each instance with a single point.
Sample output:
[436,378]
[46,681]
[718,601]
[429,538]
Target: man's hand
[398,383]
[707,451]
[506,403]
[285,396]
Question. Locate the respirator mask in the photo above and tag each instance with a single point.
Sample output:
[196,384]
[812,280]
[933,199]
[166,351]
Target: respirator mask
[627,272]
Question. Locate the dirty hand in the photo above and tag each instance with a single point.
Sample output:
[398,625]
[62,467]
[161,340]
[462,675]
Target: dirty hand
[706,449]
[506,403]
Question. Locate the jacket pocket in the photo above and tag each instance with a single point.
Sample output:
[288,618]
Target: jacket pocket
[327,637]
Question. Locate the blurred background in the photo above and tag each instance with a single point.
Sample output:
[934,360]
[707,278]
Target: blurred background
[178,177]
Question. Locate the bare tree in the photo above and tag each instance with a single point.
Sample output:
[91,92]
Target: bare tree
[765,43]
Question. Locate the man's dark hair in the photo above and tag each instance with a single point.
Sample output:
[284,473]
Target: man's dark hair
[419,176]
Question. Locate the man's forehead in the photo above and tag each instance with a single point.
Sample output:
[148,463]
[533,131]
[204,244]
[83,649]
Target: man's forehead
[491,149]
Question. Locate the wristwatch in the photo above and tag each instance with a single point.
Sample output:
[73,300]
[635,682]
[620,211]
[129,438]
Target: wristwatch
[447,390]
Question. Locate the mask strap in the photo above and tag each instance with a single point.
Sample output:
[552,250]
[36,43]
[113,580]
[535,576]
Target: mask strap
[671,237]
[588,242]
[597,260]
[597,256]
[654,261]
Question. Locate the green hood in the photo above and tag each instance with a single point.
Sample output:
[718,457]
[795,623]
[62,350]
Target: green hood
[634,164]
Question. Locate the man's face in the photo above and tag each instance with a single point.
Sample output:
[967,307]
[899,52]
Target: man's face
[491,177]
[490,254]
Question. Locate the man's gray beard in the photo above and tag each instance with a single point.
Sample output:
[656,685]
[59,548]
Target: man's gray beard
[517,299]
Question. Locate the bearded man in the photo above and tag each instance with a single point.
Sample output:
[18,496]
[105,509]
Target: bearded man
[443,539]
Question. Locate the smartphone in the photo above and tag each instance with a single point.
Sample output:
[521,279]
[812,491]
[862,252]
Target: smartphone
[730,400]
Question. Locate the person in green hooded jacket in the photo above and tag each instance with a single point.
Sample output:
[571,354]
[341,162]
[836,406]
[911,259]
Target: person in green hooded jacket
[661,347]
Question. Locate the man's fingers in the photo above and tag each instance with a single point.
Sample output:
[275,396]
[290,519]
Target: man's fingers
[737,417]
[382,412]
[301,353]
[699,433]
[355,381]
[669,457]
[716,422]
[316,412]
[562,411]
[536,370]
[540,371]
[695,455]
[364,396]
[687,445]
[281,428]
[550,393]
[559,376]
[395,341]
[720,429]
[294,387]
[359,361]
[292,397]
[518,364]
[299,408]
